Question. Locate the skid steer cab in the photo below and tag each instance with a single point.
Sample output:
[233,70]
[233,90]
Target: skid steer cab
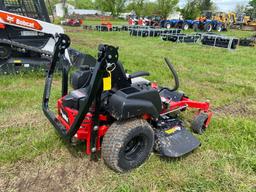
[121,117]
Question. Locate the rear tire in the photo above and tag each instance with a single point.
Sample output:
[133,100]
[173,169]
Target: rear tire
[168,25]
[127,144]
[196,27]
[219,27]
[208,27]
[185,26]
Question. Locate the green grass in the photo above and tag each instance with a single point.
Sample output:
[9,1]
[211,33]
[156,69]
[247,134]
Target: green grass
[34,158]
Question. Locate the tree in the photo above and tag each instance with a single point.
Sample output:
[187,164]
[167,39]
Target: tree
[205,5]
[251,9]
[113,6]
[137,6]
[84,4]
[191,10]
[150,8]
[240,8]
[50,4]
[165,7]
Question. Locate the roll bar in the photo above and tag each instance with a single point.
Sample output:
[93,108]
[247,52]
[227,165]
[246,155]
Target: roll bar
[107,55]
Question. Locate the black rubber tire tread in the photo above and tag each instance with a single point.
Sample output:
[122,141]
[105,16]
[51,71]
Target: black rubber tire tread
[8,54]
[183,26]
[219,27]
[206,27]
[197,124]
[168,23]
[196,27]
[119,131]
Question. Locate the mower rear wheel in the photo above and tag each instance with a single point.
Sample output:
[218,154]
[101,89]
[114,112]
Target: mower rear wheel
[127,144]
[198,124]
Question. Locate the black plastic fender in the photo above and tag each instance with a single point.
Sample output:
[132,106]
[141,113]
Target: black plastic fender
[134,102]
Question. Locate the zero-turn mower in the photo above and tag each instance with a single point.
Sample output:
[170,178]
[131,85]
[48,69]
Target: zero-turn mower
[121,117]
[72,22]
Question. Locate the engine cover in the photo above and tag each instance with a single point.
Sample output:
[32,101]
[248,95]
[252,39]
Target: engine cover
[135,101]
[73,99]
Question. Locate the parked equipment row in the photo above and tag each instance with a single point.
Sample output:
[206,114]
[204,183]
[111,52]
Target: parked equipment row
[152,32]
[210,39]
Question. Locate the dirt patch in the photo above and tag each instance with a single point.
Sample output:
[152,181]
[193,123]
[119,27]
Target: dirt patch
[52,172]
[74,30]
[240,108]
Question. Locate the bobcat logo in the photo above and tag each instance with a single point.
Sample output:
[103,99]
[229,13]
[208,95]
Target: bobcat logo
[10,19]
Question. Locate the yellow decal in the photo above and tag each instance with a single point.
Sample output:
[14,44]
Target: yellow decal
[107,82]
[17,61]
[172,130]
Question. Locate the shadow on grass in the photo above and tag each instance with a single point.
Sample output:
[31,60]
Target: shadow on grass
[77,150]
[175,159]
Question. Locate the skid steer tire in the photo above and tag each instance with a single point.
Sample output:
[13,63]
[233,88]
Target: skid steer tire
[5,52]
[127,144]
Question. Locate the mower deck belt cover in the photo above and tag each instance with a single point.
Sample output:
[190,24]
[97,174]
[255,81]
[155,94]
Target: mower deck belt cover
[173,140]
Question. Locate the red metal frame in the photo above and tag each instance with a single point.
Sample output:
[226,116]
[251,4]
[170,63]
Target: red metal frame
[84,133]
[131,22]
[188,103]
[2,26]
[204,106]
[140,22]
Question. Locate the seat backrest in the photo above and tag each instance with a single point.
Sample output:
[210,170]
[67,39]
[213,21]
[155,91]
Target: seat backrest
[119,78]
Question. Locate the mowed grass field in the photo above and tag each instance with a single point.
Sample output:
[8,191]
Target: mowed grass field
[34,158]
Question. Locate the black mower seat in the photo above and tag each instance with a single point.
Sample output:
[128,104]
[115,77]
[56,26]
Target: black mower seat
[172,95]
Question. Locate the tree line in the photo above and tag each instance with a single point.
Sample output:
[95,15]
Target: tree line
[141,7]
[191,9]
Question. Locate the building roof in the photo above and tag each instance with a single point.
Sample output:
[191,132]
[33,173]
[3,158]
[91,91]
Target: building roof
[84,11]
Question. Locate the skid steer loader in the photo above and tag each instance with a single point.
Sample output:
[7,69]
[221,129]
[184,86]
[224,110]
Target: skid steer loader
[27,38]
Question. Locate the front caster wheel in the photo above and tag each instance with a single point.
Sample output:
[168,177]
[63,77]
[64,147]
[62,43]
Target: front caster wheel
[198,124]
